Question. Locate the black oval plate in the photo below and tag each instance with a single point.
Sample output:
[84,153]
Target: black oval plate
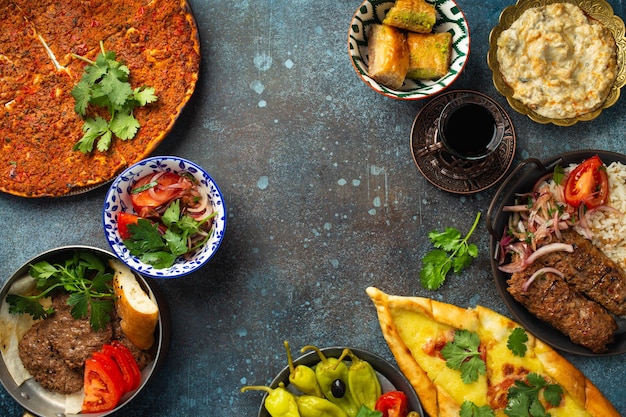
[520,181]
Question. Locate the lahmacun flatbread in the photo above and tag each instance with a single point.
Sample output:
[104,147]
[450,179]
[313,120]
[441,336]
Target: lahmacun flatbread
[417,329]
[157,40]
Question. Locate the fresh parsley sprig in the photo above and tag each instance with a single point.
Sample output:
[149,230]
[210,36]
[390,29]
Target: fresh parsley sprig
[84,276]
[469,409]
[161,249]
[516,342]
[453,252]
[523,397]
[463,354]
[105,84]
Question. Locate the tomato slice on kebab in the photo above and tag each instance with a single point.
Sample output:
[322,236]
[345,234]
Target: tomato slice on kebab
[587,184]
[104,384]
[126,363]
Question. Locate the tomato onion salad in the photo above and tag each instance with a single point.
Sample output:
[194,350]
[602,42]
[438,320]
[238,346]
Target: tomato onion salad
[172,218]
[558,200]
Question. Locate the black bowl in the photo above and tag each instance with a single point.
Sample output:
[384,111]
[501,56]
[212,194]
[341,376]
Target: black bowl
[38,401]
[389,376]
[521,180]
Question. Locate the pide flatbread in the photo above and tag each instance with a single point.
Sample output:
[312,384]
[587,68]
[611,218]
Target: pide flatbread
[157,40]
[416,329]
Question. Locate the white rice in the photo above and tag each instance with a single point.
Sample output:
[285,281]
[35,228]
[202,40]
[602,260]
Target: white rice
[609,229]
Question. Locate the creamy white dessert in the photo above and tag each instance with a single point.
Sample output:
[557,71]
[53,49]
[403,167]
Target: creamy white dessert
[559,62]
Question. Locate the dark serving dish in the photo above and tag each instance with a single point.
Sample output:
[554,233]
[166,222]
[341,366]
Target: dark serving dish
[521,180]
[390,377]
[38,401]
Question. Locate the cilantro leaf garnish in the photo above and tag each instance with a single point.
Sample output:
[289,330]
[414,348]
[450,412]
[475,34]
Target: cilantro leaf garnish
[84,276]
[469,409]
[105,84]
[462,354]
[452,252]
[517,342]
[365,411]
[160,249]
[523,397]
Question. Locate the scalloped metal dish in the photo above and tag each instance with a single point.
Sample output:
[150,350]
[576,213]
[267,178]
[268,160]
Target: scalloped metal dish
[599,10]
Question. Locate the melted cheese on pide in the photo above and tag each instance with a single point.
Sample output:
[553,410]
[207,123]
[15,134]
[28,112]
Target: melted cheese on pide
[557,61]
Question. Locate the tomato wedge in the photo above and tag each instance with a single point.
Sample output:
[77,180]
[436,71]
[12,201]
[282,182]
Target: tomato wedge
[587,184]
[162,191]
[103,384]
[123,220]
[393,404]
[126,363]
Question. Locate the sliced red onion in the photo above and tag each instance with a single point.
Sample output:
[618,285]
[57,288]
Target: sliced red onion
[546,249]
[538,273]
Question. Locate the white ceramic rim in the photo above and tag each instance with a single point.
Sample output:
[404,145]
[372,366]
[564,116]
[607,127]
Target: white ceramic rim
[113,204]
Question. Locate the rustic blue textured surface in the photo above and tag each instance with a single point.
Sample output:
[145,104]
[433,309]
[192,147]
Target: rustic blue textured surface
[323,198]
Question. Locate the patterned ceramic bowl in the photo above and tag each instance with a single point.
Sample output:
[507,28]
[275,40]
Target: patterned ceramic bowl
[449,19]
[118,200]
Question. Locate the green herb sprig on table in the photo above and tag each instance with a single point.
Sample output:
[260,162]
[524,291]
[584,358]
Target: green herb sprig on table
[161,249]
[105,84]
[453,252]
[523,397]
[462,354]
[84,276]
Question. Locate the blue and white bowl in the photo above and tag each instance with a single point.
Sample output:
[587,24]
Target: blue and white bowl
[450,18]
[118,200]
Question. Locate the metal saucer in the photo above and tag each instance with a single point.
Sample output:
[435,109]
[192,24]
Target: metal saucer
[448,172]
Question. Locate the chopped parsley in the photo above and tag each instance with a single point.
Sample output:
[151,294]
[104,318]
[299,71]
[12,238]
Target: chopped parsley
[469,409]
[452,251]
[84,276]
[523,397]
[463,354]
[161,249]
[105,84]
[517,342]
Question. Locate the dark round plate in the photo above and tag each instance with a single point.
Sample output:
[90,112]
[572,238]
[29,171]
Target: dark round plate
[389,376]
[452,174]
[521,180]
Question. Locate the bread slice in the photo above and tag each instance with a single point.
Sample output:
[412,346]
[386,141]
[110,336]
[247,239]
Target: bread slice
[413,15]
[429,55]
[388,55]
[139,314]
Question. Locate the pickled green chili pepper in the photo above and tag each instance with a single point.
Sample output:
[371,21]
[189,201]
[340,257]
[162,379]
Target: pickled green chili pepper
[327,371]
[279,402]
[311,406]
[363,382]
[302,377]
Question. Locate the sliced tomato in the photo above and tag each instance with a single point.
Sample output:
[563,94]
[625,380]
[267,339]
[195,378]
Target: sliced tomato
[104,384]
[126,362]
[123,220]
[393,404]
[587,184]
[163,190]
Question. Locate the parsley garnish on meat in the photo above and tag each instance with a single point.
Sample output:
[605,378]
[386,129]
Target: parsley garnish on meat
[523,397]
[452,252]
[161,249]
[463,354]
[83,276]
[105,84]
[517,342]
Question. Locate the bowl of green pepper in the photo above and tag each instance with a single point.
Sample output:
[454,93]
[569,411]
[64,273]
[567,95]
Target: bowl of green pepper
[338,382]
